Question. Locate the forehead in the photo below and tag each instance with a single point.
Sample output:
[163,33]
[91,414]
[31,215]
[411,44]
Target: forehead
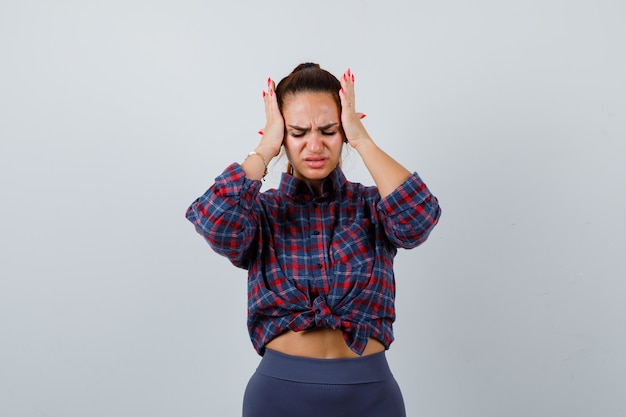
[311,106]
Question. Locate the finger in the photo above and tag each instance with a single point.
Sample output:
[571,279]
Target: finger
[270,99]
[266,102]
[273,112]
[346,93]
[270,89]
[271,86]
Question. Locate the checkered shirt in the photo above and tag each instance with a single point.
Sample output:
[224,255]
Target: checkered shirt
[315,261]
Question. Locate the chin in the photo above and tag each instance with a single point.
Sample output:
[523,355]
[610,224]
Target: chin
[309,173]
[318,174]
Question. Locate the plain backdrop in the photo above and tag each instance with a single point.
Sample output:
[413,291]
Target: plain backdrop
[115,115]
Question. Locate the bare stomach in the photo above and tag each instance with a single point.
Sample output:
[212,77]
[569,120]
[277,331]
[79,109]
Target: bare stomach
[319,343]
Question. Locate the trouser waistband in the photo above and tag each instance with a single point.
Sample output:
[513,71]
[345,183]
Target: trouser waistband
[364,369]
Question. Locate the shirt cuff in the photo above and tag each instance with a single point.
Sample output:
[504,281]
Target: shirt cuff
[232,182]
[410,194]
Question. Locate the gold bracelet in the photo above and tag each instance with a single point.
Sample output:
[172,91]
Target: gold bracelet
[262,158]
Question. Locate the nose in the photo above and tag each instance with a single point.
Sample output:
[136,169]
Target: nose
[315,142]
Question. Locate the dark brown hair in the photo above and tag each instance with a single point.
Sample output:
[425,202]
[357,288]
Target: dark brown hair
[308,78]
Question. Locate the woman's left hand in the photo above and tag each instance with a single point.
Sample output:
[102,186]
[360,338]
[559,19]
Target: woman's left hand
[350,119]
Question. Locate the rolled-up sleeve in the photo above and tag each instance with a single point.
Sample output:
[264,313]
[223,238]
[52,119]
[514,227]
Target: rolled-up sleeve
[409,213]
[227,215]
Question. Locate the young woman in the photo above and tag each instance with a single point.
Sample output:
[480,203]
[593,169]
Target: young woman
[319,252]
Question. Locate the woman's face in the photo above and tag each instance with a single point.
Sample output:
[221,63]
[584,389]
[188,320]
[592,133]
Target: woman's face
[313,139]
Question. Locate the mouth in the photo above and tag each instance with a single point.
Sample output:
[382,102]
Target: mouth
[315,161]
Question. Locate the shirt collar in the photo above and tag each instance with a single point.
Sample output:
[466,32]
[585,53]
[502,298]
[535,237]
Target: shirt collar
[294,187]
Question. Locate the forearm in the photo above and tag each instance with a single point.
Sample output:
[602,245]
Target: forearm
[256,163]
[388,174]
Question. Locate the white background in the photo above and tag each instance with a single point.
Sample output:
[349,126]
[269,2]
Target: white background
[115,115]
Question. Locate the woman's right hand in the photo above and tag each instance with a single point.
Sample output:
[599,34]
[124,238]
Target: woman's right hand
[274,130]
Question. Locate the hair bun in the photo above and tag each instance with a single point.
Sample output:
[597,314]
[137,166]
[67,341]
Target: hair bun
[308,77]
[304,66]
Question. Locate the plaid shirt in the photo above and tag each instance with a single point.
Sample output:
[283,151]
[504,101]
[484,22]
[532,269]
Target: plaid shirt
[315,261]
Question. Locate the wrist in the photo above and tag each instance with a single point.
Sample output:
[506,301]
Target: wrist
[260,157]
[265,152]
[363,144]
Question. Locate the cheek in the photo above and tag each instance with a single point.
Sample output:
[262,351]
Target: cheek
[337,144]
[291,146]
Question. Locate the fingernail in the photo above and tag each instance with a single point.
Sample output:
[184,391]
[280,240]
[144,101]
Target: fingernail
[363,116]
[260,132]
[269,80]
[348,71]
[264,93]
[343,91]
[352,77]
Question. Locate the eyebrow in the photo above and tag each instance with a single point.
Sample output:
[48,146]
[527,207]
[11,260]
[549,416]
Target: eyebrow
[304,129]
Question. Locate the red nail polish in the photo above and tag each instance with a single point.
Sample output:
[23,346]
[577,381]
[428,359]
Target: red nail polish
[269,80]
[264,94]
[343,91]
[260,132]
[363,116]
[352,77]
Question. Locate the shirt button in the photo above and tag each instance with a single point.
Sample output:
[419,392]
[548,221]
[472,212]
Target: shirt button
[319,266]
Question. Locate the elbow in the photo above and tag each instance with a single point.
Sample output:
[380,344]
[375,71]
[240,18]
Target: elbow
[227,238]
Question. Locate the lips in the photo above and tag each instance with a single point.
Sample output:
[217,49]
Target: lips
[315,162]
